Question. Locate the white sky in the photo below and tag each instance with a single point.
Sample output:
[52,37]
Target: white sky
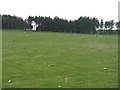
[69,9]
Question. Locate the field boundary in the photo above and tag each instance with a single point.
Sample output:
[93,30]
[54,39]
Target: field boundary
[0,52]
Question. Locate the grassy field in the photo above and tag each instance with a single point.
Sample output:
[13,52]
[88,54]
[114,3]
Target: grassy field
[59,60]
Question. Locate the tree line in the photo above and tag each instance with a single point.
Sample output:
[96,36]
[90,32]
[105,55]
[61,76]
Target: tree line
[12,22]
[81,25]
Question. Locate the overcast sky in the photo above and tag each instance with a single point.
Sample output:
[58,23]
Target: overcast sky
[67,9]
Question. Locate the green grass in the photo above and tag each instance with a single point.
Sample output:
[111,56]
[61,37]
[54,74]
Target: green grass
[50,60]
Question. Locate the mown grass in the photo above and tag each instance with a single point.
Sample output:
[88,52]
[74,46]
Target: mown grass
[59,60]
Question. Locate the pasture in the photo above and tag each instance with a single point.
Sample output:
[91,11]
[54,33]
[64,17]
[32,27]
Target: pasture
[59,60]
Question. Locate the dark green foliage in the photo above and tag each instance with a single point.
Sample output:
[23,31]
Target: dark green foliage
[118,24]
[106,25]
[86,25]
[101,24]
[12,22]
[111,24]
[81,25]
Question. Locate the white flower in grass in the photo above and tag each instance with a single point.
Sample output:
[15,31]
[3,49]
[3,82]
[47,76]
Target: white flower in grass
[105,68]
[59,86]
[9,81]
